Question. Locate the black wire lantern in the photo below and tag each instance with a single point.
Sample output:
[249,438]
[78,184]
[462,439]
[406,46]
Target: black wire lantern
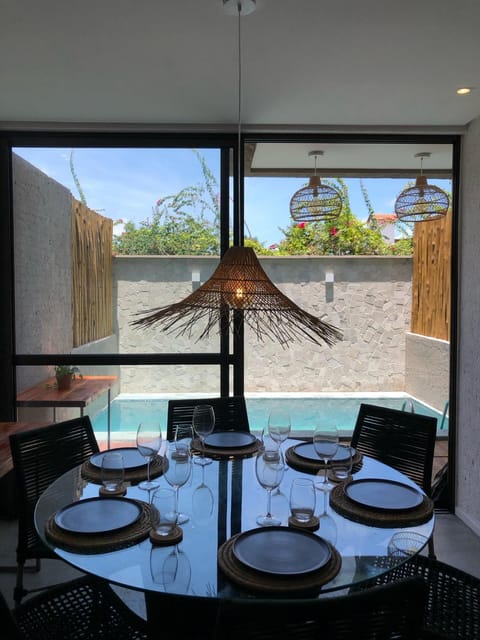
[423,202]
[316,202]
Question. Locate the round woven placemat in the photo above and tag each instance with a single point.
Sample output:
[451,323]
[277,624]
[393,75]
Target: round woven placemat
[101,542]
[312,466]
[216,453]
[93,473]
[267,583]
[342,504]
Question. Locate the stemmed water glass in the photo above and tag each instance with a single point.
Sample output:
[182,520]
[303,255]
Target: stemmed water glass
[279,425]
[269,469]
[203,423]
[325,443]
[177,470]
[149,441]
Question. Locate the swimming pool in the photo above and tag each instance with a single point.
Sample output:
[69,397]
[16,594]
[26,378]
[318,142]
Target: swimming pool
[341,409]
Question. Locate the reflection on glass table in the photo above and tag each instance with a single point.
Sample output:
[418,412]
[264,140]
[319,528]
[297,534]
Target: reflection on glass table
[223,499]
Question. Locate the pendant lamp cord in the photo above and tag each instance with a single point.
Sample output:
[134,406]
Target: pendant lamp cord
[239,8]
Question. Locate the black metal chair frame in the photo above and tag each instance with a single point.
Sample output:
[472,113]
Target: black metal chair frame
[379,612]
[40,456]
[400,439]
[230,414]
[86,608]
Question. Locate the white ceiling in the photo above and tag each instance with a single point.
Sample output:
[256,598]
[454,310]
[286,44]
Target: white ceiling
[342,63]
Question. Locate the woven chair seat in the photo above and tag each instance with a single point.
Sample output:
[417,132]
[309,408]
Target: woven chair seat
[452,609]
[83,608]
[379,612]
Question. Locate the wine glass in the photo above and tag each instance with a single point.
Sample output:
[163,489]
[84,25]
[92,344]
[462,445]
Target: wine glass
[325,443]
[269,469]
[203,423]
[149,440]
[279,425]
[177,470]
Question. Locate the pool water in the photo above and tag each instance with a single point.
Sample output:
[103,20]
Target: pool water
[128,411]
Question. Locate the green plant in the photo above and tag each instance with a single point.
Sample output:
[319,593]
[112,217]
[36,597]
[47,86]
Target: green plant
[62,370]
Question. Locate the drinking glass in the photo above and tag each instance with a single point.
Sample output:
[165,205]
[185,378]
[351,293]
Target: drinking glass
[279,425]
[149,440]
[177,469]
[203,423]
[184,436]
[164,511]
[325,443]
[112,471]
[405,544]
[269,469]
[302,499]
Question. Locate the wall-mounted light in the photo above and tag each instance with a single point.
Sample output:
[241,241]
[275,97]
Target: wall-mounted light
[329,276]
[195,280]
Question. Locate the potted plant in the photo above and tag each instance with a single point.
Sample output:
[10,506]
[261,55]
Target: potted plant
[64,374]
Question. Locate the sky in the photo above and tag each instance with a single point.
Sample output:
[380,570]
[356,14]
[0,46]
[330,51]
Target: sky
[125,184]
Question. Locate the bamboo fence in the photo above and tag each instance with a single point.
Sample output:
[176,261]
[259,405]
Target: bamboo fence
[92,281]
[431,278]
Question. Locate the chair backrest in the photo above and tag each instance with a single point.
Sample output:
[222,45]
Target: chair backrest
[401,439]
[40,456]
[377,612]
[230,414]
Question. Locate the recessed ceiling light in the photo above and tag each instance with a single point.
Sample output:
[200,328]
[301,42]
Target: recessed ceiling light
[463,91]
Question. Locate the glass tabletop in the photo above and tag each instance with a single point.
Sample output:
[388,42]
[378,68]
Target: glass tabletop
[223,499]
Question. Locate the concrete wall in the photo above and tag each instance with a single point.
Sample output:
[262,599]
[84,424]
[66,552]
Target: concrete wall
[42,232]
[468,388]
[43,281]
[369,300]
[427,370]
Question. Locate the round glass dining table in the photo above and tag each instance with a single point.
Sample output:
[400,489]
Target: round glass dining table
[223,499]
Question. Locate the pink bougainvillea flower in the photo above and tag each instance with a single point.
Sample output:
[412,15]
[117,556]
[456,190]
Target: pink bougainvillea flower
[333,231]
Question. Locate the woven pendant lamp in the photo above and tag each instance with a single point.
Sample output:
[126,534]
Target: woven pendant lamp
[240,283]
[423,202]
[316,202]
[239,287]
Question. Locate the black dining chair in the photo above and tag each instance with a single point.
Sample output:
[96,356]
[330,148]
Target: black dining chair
[39,457]
[379,612]
[400,439]
[84,608]
[230,414]
[452,607]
